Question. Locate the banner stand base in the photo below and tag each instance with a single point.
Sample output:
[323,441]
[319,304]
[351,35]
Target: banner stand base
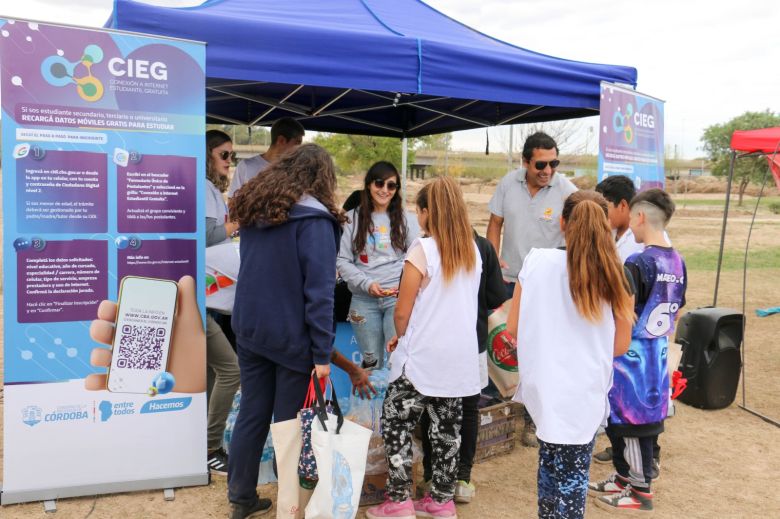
[9,497]
[50,506]
[168,494]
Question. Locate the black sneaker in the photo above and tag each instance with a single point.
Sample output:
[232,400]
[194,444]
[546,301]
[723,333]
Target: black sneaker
[217,462]
[259,507]
[655,473]
[370,364]
[604,456]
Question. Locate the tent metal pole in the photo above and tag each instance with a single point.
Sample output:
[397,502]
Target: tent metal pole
[723,227]
[404,160]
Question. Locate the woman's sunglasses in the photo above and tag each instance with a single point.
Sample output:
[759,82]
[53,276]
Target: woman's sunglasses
[391,186]
[541,164]
[225,155]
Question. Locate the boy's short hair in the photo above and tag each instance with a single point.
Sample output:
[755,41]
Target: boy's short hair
[656,204]
[288,128]
[616,189]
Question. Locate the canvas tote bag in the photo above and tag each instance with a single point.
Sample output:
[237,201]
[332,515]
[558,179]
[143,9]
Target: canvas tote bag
[340,449]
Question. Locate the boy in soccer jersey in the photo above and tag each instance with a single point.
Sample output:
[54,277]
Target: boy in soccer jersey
[640,393]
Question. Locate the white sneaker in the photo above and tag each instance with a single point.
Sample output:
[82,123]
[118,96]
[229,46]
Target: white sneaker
[464,492]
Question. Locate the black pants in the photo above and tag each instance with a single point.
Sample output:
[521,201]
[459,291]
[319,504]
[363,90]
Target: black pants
[633,458]
[468,440]
[267,389]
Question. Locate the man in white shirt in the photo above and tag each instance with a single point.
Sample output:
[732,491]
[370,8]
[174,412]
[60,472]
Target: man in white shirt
[527,206]
[286,135]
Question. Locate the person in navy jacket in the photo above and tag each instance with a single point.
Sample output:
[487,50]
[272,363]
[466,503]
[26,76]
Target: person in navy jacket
[283,313]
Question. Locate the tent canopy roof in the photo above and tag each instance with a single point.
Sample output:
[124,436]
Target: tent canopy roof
[379,67]
[765,140]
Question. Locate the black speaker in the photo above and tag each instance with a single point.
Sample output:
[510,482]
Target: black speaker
[711,339]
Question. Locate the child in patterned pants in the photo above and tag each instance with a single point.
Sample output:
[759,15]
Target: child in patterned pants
[563,497]
[403,407]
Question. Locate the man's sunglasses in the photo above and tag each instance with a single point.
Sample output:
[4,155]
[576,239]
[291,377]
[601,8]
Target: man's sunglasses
[225,155]
[541,164]
[391,186]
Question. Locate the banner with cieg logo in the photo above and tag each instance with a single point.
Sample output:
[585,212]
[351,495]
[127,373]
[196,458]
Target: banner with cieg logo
[103,166]
[631,136]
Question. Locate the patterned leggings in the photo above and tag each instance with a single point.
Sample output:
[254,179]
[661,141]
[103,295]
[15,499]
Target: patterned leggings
[402,409]
[563,480]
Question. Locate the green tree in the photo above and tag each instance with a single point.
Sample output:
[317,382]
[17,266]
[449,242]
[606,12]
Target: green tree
[717,139]
[438,142]
[356,153]
[242,134]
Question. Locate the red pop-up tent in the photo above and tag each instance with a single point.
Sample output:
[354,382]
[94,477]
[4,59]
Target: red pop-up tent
[765,141]
[749,143]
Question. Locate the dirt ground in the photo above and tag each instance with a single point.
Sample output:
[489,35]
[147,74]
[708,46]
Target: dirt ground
[715,464]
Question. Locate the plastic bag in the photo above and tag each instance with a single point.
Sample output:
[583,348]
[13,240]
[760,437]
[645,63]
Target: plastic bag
[368,413]
[230,424]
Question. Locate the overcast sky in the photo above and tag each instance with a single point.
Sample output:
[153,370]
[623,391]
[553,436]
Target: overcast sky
[710,61]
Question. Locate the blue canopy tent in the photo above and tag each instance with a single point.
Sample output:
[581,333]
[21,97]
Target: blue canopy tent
[396,68]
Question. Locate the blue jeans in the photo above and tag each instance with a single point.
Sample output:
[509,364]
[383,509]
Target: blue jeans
[372,323]
[563,480]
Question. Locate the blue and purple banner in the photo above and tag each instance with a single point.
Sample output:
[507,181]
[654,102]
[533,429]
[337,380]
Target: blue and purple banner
[631,136]
[103,168]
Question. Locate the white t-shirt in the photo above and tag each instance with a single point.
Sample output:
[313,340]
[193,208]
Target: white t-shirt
[564,360]
[627,244]
[246,170]
[438,351]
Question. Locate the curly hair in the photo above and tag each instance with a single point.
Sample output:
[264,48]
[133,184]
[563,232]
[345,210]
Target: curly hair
[215,138]
[269,196]
[381,170]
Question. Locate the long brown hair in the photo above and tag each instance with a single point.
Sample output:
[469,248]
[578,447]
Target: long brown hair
[269,196]
[448,224]
[215,138]
[381,170]
[595,271]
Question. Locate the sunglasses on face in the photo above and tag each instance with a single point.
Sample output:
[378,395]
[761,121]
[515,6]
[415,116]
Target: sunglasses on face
[391,186]
[225,155]
[541,164]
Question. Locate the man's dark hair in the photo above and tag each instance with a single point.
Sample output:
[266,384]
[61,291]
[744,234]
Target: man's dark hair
[657,198]
[288,128]
[538,140]
[617,188]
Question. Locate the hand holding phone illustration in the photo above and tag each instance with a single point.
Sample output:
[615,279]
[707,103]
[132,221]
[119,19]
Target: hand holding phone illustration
[186,355]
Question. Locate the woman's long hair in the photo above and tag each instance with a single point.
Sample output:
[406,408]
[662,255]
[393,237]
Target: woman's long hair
[382,170]
[215,138]
[448,224]
[269,196]
[595,270]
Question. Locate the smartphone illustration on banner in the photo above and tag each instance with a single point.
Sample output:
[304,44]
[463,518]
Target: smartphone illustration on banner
[142,337]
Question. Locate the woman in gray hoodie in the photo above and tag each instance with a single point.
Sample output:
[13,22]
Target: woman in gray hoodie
[371,258]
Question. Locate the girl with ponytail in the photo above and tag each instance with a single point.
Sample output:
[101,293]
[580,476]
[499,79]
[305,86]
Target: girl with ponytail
[434,363]
[571,312]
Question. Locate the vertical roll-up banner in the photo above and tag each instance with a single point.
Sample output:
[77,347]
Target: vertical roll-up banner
[103,163]
[631,136]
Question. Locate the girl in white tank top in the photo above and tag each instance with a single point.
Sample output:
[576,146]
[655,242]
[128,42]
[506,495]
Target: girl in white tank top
[433,362]
[571,313]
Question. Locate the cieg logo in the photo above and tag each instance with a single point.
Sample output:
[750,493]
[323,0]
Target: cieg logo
[625,122]
[138,68]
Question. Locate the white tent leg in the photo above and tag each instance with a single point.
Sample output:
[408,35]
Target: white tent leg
[404,160]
